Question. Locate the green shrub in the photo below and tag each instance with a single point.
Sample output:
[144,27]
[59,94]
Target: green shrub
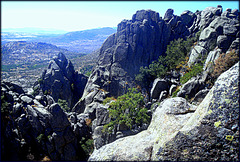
[148,74]
[64,105]
[88,73]
[45,92]
[4,105]
[128,110]
[87,145]
[175,93]
[195,70]
[40,138]
[40,81]
[108,99]
[72,87]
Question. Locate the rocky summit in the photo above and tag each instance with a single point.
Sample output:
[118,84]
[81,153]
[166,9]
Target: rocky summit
[164,89]
[61,81]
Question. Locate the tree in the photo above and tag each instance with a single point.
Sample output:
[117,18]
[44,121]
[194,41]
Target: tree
[128,109]
[64,105]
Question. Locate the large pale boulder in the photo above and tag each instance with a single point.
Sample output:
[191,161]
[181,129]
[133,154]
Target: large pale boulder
[168,118]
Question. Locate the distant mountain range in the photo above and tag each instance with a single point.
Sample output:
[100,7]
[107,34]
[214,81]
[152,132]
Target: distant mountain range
[85,41]
[34,30]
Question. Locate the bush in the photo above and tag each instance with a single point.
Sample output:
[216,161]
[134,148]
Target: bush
[40,81]
[64,105]
[128,110]
[4,105]
[40,138]
[194,71]
[148,74]
[87,145]
[175,93]
[224,62]
[108,99]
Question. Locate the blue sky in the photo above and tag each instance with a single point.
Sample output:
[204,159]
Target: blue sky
[81,15]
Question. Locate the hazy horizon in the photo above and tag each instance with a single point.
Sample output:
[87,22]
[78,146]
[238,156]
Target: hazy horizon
[82,15]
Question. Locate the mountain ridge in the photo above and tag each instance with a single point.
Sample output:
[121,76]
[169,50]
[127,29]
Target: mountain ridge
[191,99]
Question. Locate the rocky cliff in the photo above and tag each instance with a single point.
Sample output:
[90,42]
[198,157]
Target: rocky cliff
[36,127]
[180,131]
[137,43]
[143,39]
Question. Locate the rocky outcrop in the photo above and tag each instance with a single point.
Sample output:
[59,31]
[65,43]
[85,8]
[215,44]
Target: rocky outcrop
[181,131]
[218,33]
[142,40]
[137,43]
[190,89]
[61,81]
[33,127]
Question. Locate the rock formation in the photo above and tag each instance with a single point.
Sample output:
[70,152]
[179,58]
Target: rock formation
[141,40]
[61,81]
[181,131]
[218,33]
[35,126]
[200,124]
[137,43]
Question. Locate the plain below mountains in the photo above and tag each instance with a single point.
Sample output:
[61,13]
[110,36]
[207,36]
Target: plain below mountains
[85,41]
[22,52]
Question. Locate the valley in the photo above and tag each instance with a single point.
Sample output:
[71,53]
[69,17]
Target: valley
[25,55]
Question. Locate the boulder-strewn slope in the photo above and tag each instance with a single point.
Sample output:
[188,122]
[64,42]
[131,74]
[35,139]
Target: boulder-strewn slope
[181,131]
[34,127]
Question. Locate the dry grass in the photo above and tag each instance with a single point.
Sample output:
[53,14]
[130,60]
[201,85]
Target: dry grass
[46,158]
[88,121]
[224,62]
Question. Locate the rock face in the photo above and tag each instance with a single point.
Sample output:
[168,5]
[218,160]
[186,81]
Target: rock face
[181,131]
[142,40]
[218,33]
[159,85]
[61,81]
[137,43]
[36,126]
